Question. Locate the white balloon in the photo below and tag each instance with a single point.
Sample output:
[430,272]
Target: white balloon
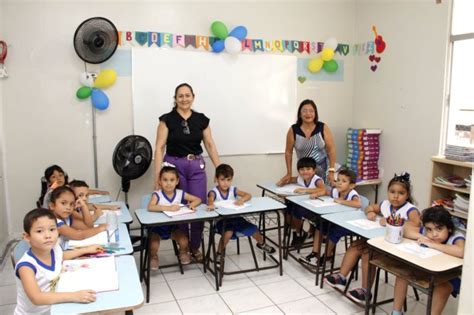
[331,43]
[232,45]
[87,79]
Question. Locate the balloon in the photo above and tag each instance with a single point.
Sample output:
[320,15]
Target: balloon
[218,46]
[240,32]
[83,92]
[219,29]
[232,45]
[99,99]
[327,54]
[331,43]
[315,65]
[87,79]
[105,78]
[330,66]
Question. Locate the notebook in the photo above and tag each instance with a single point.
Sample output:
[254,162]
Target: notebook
[182,211]
[229,204]
[100,239]
[98,274]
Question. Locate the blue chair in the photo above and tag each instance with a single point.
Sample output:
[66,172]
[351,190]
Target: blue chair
[20,248]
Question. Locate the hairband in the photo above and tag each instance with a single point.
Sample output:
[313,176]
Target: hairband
[403,177]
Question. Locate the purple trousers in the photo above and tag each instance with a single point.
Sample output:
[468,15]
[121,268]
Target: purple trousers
[193,180]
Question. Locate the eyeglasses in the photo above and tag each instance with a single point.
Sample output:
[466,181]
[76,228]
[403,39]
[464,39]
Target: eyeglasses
[307,111]
[186,129]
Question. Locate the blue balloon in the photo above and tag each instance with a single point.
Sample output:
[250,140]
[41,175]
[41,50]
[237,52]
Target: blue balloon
[218,46]
[99,99]
[240,32]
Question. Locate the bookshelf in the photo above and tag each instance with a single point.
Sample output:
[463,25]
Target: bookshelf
[446,167]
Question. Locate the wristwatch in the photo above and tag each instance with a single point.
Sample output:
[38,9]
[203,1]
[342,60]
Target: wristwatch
[331,169]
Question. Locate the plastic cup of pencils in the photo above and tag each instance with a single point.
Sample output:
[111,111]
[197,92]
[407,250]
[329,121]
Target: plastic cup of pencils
[112,227]
[394,233]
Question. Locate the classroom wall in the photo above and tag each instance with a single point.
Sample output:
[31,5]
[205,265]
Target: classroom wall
[47,124]
[4,231]
[404,96]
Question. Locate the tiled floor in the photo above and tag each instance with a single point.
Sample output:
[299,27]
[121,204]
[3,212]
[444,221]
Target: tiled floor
[264,292]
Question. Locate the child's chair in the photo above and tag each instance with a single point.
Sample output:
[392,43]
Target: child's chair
[20,248]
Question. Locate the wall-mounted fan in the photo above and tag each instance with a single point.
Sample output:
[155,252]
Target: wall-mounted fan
[96,40]
[131,159]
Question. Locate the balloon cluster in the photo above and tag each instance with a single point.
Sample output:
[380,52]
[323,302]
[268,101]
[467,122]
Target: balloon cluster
[231,42]
[325,60]
[92,86]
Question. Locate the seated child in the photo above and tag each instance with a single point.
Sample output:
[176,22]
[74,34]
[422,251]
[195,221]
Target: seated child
[438,232]
[234,226]
[63,203]
[54,176]
[399,203]
[81,190]
[343,194]
[311,184]
[168,198]
[37,271]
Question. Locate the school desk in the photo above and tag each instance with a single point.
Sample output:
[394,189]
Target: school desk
[343,220]
[129,296]
[96,198]
[375,183]
[318,211]
[149,219]
[124,244]
[260,205]
[422,273]
[124,216]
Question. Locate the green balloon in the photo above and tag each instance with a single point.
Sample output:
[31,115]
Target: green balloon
[330,66]
[219,30]
[84,92]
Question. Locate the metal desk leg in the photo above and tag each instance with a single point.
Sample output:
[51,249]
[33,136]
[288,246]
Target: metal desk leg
[369,276]
[279,243]
[430,296]
[222,258]
[147,280]
[325,253]
[142,247]
[318,263]
[376,193]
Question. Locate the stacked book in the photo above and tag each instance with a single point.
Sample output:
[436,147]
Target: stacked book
[461,203]
[459,153]
[450,181]
[363,151]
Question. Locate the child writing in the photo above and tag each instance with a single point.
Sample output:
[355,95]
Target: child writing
[343,194]
[311,184]
[438,232]
[37,271]
[399,203]
[63,202]
[81,190]
[225,191]
[168,198]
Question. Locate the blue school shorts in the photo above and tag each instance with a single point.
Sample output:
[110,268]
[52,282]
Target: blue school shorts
[456,283]
[335,233]
[240,226]
[164,231]
[300,212]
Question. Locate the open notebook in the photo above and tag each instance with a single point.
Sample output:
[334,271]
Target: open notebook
[100,239]
[182,211]
[229,204]
[98,274]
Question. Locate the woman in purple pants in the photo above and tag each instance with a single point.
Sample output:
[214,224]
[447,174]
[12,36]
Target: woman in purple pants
[181,132]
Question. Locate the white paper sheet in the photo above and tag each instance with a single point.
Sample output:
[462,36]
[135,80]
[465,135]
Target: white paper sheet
[288,189]
[321,203]
[365,224]
[100,239]
[229,204]
[181,211]
[104,212]
[98,274]
[415,249]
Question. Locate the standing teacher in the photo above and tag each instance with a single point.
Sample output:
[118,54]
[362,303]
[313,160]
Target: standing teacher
[181,132]
[310,138]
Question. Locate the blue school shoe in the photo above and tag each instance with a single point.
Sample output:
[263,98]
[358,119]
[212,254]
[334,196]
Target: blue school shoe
[336,280]
[266,248]
[358,295]
[310,259]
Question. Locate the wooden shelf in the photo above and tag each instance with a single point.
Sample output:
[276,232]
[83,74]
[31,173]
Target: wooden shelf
[442,159]
[457,213]
[460,190]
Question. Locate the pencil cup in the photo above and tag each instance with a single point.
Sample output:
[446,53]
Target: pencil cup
[112,227]
[394,234]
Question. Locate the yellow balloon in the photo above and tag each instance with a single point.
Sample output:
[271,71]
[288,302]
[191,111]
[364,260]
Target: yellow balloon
[327,54]
[315,65]
[105,79]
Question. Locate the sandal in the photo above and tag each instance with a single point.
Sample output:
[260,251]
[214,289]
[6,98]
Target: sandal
[184,258]
[154,263]
[197,255]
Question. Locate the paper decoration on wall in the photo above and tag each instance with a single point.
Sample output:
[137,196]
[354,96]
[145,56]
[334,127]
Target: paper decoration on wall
[325,59]
[93,85]
[3,56]
[380,46]
[231,42]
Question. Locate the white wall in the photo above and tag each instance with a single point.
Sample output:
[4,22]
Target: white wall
[46,124]
[404,96]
